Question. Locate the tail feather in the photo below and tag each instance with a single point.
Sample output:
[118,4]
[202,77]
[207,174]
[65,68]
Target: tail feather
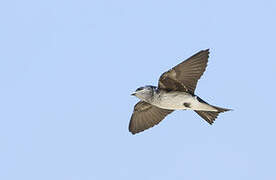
[221,109]
[210,116]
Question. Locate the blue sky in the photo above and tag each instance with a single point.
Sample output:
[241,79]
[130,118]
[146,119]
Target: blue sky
[67,69]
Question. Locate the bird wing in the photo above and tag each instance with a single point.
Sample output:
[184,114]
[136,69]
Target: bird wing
[145,116]
[184,76]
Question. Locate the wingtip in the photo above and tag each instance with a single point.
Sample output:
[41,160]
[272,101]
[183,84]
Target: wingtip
[133,133]
[206,51]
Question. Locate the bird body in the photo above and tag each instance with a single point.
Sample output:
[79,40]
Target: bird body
[175,91]
[175,100]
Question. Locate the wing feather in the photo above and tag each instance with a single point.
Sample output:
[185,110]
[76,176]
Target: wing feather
[184,76]
[145,116]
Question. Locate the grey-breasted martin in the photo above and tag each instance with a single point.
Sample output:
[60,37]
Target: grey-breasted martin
[175,91]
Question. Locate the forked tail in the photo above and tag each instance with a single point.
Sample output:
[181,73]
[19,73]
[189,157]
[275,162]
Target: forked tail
[210,116]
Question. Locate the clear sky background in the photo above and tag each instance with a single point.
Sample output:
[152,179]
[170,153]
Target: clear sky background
[67,69]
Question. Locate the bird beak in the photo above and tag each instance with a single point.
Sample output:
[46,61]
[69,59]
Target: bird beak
[133,94]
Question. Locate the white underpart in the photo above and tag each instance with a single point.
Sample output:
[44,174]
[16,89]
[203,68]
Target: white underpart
[176,100]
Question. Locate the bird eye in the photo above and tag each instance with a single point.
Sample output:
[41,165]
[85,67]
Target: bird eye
[140,88]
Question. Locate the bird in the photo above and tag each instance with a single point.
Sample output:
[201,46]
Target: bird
[175,91]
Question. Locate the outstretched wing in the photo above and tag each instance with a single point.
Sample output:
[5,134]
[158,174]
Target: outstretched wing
[145,116]
[185,75]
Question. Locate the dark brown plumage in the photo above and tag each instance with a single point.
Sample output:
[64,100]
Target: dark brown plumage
[146,116]
[210,116]
[184,76]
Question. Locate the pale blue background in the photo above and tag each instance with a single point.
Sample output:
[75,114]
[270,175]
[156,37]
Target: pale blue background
[67,69]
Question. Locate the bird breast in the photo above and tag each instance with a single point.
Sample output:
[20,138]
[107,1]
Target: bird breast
[174,100]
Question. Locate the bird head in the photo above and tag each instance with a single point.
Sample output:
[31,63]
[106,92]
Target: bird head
[144,93]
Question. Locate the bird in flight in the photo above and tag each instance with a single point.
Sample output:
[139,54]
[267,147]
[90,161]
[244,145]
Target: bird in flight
[175,91]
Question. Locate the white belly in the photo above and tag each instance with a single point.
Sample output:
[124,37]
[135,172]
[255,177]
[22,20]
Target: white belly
[176,100]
